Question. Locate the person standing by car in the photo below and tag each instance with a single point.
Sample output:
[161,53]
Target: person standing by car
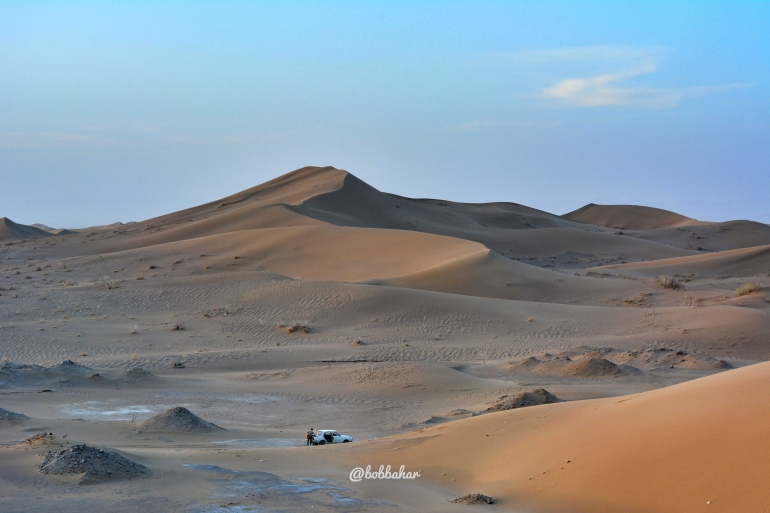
[309,437]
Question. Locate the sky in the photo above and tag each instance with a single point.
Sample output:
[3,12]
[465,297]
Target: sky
[122,111]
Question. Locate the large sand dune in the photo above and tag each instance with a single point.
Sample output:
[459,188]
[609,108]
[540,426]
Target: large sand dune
[316,300]
[738,262]
[698,446]
[10,231]
[629,217]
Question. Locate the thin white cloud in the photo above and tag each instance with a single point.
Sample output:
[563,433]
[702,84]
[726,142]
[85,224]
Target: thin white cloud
[604,76]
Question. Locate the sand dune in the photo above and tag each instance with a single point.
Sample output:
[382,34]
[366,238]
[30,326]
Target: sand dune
[376,257]
[738,262]
[630,217]
[10,231]
[316,300]
[487,274]
[313,196]
[701,445]
[710,237]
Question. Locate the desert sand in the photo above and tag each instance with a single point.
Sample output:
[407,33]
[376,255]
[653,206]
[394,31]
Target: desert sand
[497,349]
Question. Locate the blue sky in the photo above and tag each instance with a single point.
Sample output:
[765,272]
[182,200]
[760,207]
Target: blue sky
[126,110]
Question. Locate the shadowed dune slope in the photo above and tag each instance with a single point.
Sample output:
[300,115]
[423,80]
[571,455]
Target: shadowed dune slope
[629,217]
[738,262]
[10,231]
[710,237]
[672,449]
[506,228]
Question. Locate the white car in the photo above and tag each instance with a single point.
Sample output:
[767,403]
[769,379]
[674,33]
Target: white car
[330,436]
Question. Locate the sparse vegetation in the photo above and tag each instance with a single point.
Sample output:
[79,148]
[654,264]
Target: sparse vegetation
[298,328]
[108,284]
[691,300]
[669,282]
[748,288]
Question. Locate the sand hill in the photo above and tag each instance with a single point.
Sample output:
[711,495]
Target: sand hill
[675,449]
[316,300]
[179,419]
[10,231]
[629,217]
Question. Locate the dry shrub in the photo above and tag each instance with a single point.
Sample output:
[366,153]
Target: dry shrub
[669,282]
[690,300]
[108,284]
[747,288]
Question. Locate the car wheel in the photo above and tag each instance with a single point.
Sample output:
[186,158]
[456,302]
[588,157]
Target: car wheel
[322,442]
[345,441]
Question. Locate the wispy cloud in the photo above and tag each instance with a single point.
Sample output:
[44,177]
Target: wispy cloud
[601,76]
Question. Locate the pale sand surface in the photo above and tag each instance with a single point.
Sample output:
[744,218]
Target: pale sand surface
[414,315]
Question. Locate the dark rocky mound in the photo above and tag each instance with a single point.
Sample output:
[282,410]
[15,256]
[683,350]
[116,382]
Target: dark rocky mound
[179,419]
[94,465]
[10,416]
[17,373]
[473,498]
[70,367]
[721,364]
[534,398]
[591,368]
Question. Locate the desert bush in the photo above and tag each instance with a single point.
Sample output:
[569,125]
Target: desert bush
[747,288]
[690,300]
[108,284]
[669,282]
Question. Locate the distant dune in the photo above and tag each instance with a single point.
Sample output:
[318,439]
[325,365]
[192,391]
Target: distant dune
[738,262]
[629,217]
[10,231]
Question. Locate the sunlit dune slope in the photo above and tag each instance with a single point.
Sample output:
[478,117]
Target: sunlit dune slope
[377,256]
[698,446]
[629,217]
[738,262]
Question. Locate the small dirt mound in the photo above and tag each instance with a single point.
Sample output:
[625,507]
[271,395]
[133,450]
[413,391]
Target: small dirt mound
[721,364]
[138,373]
[459,413]
[534,398]
[473,498]
[95,465]
[39,439]
[527,364]
[179,419]
[591,368]
[10,416]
